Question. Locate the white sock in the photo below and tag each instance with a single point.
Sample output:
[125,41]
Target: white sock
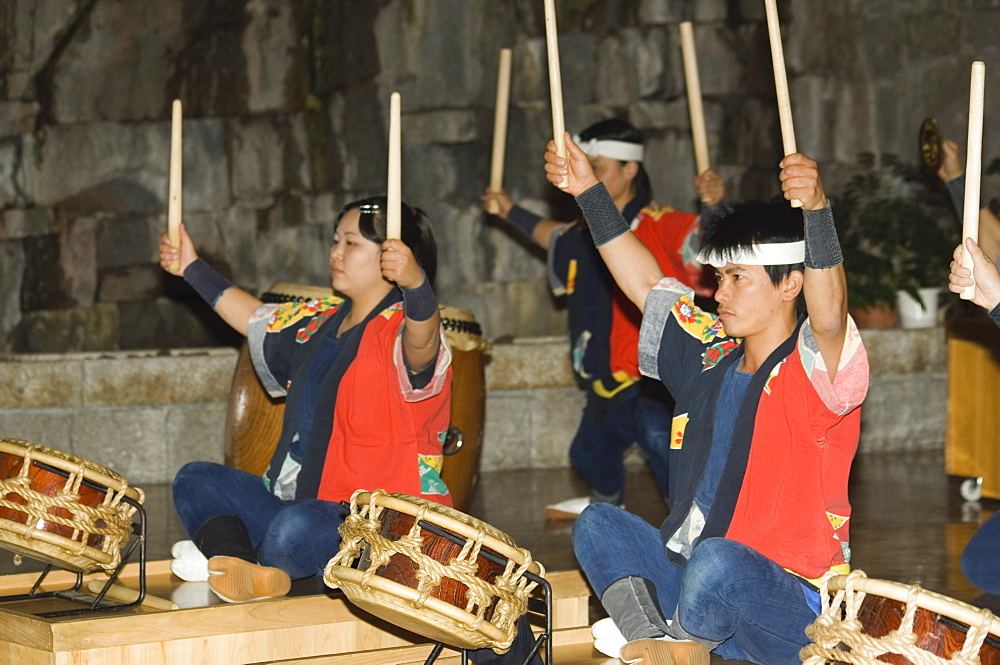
[189,563]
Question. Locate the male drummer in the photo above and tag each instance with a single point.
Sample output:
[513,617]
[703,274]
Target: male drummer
[764,430]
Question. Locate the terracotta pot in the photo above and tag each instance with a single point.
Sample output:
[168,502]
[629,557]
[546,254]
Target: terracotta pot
[881,316]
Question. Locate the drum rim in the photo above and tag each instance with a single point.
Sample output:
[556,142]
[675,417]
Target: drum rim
[395,502]
[61,460]
[355,581]
[52,546]
[925,599]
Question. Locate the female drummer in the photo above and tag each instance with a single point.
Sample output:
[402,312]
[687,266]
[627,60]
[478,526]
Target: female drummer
[367,386]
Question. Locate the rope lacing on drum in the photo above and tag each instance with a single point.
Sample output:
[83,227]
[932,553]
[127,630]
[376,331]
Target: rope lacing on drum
[111,519]
[838,635]
[510,589]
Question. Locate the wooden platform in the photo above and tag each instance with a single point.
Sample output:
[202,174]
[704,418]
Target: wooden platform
[311,626]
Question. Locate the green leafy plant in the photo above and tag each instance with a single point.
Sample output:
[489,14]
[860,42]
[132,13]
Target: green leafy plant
[897,229]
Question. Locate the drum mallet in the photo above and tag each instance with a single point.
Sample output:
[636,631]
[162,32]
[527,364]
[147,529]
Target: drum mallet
[697,111]
[555,84]
[174,196]
[500,128]
[973,168]
[394,191]
[781,83]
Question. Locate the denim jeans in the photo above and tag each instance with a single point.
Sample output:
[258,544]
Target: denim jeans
[298,537]
[727,594]
[979,558]
[654,411]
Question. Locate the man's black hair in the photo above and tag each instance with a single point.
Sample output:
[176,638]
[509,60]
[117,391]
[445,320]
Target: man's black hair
[739,226]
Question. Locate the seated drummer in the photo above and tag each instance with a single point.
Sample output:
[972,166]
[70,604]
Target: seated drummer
[765,428]
[367,382]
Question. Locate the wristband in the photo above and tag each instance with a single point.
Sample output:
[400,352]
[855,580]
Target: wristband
[603,218]
[995,315]
[822,243]
[419,304]
[523,220]
[206,282]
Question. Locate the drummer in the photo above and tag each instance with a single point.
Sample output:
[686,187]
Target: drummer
[367,383]
[621,408]
[766,426]
[952,174]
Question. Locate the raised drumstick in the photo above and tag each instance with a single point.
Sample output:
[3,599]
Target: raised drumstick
[555,83]
[781,83]
[394,191]
[698,134]
[500,128]
[973,168]
[174,196]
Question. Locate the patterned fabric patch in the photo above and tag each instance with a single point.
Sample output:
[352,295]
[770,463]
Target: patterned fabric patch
[836,521]
[774,373]
[303,335]
[289,313]
[571,277]
[694,321]
[717,352]
[677,427]
[390,310]
[579,353]
[430,475]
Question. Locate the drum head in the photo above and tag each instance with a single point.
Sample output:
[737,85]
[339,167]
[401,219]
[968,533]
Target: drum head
[396,603]
[930,144]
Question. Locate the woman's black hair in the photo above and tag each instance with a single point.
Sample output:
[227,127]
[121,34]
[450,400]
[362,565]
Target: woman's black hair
[415,229]
[617,129]
[739,226]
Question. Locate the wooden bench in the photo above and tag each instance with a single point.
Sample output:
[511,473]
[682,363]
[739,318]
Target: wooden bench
[319,628]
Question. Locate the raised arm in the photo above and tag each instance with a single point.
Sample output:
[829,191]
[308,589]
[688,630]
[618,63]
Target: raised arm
[421,333]
[952,174]
[825,283]
[230,302]
[537,229]
[631,264]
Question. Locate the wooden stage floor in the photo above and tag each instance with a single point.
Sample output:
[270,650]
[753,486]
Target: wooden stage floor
[909,525]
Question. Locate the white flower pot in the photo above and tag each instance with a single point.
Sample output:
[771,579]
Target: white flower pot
[913,314]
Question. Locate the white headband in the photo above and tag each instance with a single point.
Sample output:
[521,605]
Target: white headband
[620,150]
[765,254]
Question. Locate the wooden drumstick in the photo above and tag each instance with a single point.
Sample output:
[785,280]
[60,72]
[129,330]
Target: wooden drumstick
[174,196]
[781,83]
[394,192]
[555,84]
[500,128]
[698,134]
[973,168]
[126,595]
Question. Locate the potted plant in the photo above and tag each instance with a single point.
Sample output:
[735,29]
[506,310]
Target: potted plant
[897,230]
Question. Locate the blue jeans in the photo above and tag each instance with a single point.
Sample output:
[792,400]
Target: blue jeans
[299,537]
[727,594]
[654,412]
[979,558]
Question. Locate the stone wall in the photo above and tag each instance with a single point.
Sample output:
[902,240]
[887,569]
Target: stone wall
[144,414]
[286,105]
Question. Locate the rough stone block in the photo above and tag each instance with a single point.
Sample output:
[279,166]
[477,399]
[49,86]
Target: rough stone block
[192,376]
[194,433]
[49,427]
[17,117]
[904,412]
[11,273]
[555,417]
[67,330]
[25,222]
[32,382]
[905,351]
[507,433]
[530,362]
[131,283]
[440,126]
[130,441]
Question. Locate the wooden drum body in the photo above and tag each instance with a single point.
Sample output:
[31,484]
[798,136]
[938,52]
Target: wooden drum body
[432,570]
[253,418]
[868,621]
[62,509]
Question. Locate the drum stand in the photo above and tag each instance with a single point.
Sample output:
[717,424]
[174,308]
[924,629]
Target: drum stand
[542,606]
[98,603]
